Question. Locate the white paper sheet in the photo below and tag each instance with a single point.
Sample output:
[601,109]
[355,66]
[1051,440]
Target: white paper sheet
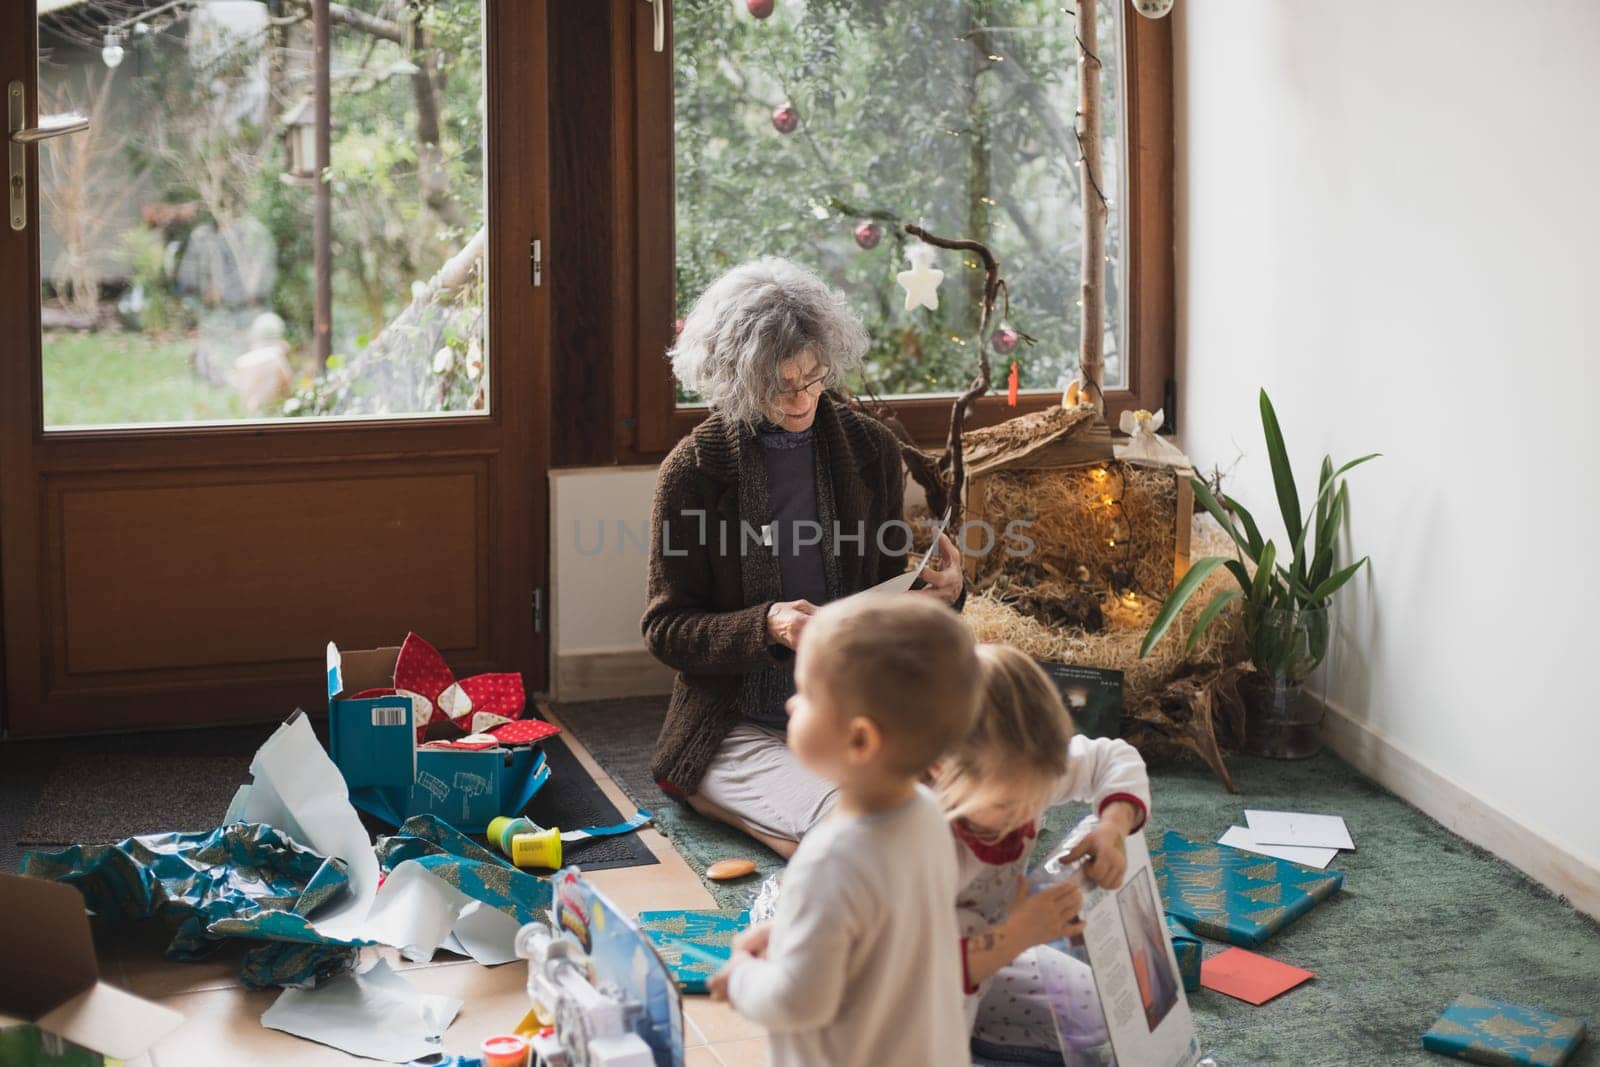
[1300,828]
[298,790]
[902,583]
[419,913]
[1243,837]
[378,1015]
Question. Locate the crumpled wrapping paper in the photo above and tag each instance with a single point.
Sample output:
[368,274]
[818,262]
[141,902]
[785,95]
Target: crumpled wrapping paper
[243,880]
[461,862]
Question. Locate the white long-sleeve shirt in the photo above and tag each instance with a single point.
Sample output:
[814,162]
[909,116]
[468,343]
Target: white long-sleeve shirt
[1099,770]
[863,965]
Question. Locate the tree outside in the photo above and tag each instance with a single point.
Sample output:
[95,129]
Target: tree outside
[177,255]
[812,128]
[170,227]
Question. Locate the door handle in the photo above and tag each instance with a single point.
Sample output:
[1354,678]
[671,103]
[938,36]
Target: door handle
[21,136]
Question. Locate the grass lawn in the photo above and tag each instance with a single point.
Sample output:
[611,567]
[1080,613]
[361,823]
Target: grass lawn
[93,379]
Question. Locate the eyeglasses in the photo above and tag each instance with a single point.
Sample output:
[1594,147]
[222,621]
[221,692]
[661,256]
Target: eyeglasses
[811,388]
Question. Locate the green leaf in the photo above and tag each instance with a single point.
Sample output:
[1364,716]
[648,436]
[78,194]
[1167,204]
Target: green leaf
[1325,489]
[1282,474]
[1202,493]
[1259,588]
[1251,530]
[1328,537]
[1212,610]
[1323,478]
[1322,592]
[1192,579]
[1239,572]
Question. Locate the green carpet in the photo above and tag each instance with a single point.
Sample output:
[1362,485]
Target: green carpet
[1422,918]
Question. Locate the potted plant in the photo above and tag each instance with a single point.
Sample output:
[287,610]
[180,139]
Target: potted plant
[1286,596]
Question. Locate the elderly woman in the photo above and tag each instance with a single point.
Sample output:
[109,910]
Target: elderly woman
[781,500]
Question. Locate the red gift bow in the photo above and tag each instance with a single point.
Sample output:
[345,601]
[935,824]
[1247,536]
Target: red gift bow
[483,704]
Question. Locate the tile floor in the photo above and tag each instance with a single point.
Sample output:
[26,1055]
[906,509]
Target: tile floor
[222,1021]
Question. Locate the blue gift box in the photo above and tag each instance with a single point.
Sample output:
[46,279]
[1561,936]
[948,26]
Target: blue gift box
[1186,946]
[372,740]
[1493,1031]
[694,943]
[1230,895]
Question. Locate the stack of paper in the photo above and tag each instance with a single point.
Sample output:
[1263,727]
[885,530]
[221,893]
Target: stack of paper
[1312,840]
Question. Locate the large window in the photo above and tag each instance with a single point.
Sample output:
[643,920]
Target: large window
[815,129]
[183,272]
[719,134]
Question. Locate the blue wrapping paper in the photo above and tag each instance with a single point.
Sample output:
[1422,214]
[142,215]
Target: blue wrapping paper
[461,862]
[1495,1031]
[694,944]
[1235,896]
[1186,946]
[243,880]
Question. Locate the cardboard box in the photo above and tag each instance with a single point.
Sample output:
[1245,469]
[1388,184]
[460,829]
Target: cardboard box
[54,1010]
[372,741]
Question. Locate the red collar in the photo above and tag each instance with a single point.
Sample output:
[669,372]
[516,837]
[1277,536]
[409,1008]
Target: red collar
[996,853]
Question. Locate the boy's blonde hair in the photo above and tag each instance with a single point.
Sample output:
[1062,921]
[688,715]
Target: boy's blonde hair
[907,663]
[1021,733]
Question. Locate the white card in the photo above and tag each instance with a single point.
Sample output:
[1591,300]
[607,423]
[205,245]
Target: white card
[1244,838]
[1299,828]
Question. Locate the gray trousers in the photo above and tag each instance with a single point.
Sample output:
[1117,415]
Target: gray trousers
[757,778]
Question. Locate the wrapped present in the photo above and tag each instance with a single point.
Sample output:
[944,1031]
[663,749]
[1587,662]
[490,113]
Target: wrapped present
[1492,1031]
[1234,896]
[1186,946]
[694,944]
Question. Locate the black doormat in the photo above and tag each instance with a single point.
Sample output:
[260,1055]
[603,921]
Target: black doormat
[108,788]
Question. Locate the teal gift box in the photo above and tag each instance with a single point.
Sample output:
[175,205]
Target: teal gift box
[1186,946]
[1230,895]
[695,944]
[1492,1031]
[373,742]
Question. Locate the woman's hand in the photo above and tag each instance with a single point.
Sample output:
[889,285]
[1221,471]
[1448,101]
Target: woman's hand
[1042,917]
[785,620]
[943,573]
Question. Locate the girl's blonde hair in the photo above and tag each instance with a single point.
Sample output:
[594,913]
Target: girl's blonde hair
[1021,734]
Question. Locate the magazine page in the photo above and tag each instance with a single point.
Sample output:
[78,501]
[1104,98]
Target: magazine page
[1135,970]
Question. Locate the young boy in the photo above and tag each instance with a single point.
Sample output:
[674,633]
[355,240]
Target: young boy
[862,963]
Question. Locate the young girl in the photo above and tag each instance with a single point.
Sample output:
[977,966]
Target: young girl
[1022,757]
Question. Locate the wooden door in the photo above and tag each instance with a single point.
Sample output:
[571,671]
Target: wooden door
[186,575]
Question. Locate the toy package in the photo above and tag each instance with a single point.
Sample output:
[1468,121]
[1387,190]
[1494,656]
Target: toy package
[602,996]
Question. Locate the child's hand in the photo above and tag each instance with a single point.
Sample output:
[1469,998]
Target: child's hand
[1042,917]
[717,985]
[754,940]
[1108,857]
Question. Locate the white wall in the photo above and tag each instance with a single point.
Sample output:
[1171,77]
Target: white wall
[599,527]
[1387,217]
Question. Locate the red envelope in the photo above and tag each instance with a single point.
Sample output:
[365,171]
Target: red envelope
[1248,977]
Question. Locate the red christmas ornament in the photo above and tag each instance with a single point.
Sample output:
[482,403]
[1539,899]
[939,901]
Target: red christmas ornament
[1005,340]
[785,119]
[868,234]
[760,8]
[1011,387]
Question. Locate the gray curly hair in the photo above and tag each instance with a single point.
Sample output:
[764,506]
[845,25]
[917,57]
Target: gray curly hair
[749,321]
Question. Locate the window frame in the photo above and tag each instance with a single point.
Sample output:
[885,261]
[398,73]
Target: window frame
[650,421]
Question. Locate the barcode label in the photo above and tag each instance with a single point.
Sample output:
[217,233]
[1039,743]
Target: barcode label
[388,716]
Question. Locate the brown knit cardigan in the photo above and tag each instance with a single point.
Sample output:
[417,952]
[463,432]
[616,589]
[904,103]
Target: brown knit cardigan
[706,615]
